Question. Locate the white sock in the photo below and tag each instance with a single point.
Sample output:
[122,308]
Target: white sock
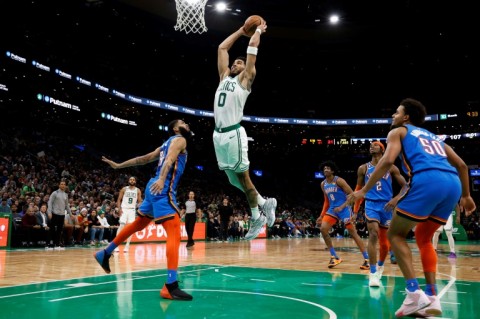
[451,241]
[435,239]
[255,213]
[260,200]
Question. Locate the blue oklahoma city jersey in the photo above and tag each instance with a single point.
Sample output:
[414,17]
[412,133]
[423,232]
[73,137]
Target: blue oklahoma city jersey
[163,206]
[434,184]
[422,151]
[173,176]
[335,194]
[382,191]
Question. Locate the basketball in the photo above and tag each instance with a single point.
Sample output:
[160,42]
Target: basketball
[251,24]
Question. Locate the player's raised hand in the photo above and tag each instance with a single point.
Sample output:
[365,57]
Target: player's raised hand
[110,162]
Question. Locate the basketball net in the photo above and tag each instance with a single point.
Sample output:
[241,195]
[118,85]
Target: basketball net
[191,16]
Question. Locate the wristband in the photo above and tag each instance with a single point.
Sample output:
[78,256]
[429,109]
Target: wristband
[259,30]
[252,50]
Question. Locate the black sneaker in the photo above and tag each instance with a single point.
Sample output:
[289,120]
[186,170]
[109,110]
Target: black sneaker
[365,265]
[171,291]
[334,261]
[102,258]
[189,245]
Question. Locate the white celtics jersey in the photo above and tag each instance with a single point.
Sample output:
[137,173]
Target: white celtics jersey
[230,100]
[130,198]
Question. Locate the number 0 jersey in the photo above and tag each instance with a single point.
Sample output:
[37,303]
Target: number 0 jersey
[230,99]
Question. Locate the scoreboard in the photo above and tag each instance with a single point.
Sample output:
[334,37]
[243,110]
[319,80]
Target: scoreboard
[368,140]
[341,140]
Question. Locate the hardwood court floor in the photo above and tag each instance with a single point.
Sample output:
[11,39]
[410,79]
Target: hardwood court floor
[264,278]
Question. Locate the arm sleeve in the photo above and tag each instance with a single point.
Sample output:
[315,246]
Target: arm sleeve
[359,202]
[326,205]
[50,203]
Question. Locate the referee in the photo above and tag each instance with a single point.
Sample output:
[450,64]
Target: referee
[190,217]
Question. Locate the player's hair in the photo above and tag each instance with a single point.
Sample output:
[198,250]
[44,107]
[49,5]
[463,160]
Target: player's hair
[171,125]
[416,110]
[330,164]
[379,144]
[244,59]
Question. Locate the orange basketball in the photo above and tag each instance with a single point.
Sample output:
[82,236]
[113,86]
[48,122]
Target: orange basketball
[251,24]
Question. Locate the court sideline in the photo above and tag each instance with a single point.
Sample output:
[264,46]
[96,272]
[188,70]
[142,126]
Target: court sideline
[263,278]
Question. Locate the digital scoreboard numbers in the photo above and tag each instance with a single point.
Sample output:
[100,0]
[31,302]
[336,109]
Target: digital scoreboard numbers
[317,141]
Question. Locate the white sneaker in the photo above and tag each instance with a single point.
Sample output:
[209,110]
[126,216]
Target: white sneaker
[127,247]
[256,227]
[373,280]
[434,309]
[414,301]
[117,250]
[379,272]
[269,209]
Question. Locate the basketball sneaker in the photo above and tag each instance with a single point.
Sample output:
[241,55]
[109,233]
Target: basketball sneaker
[373,280]
[256,227]
[414,301]
[393,260]
[334,261]
[269,209]
[434,309]
[365,265]
[452,255]
[102,258]
[171,291]
[380,270]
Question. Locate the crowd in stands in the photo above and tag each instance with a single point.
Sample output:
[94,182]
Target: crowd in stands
[31,166]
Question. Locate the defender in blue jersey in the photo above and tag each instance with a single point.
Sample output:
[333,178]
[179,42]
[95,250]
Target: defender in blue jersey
[379,204]
[335,209]
[160,203]
[438,179]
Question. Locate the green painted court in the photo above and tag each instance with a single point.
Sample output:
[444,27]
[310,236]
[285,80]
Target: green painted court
[228,292]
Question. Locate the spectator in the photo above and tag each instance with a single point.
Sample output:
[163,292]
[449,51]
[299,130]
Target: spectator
[4,207]
[95,227]
[28,189]
[276,230]
[235,230]
[84,223]
[105,225]
[71,227]
[44,222]
[30,227]
[362,228]
[225,212]
[213,227]
[113,220]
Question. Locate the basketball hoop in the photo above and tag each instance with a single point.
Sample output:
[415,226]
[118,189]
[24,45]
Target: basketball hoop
[191,16]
